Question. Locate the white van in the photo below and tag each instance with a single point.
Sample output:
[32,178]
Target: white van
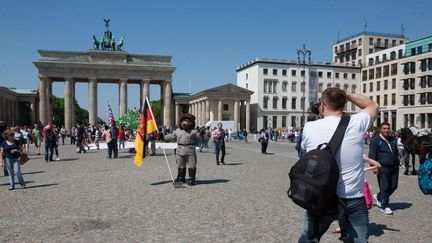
[225,124]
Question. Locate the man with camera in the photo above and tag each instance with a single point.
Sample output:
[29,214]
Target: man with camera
[349,158]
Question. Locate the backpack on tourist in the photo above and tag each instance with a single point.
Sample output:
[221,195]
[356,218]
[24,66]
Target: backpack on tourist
[425,177]
[50,136]
[314,177]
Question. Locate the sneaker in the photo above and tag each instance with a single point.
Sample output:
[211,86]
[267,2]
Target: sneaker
[387,211]
[378,203]
[58,159]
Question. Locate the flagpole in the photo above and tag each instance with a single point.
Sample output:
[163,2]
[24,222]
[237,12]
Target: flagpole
[163,148]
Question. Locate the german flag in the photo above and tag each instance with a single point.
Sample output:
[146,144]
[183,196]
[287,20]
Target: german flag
[146,126]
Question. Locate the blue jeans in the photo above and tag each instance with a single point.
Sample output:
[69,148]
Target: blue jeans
[357,222]
[49,151]
[13,168]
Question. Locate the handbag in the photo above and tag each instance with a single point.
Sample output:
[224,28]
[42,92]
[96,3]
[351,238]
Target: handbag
[23,158]
[368,195]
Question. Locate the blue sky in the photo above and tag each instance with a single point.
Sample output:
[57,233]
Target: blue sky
[207,39]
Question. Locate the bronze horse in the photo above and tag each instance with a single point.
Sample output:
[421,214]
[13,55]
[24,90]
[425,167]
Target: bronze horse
[415,145]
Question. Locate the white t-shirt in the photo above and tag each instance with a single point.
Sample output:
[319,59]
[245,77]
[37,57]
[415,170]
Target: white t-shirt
[351,178]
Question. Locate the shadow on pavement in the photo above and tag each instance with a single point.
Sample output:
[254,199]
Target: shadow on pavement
[16,182]
[233,163]
[66,159]
[33,172]
[125,156]
[378,229]
[400,206]
[158,183]
[43,185]
[205,182]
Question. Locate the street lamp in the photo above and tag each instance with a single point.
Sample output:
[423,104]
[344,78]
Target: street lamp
[303,53]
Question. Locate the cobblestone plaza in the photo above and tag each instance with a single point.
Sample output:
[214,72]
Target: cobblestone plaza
[88,198]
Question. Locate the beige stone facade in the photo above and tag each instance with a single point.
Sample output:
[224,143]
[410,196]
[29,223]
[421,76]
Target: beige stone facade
[18,106]
[222,103]
[94,67]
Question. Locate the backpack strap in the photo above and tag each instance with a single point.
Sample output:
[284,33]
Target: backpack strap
[336,140]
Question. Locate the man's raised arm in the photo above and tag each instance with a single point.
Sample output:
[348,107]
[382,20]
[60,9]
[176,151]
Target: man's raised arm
[366,104]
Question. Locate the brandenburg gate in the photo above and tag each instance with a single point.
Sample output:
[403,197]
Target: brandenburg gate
[108,65]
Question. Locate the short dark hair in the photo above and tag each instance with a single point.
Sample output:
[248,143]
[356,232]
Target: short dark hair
[334,98]
[384,124]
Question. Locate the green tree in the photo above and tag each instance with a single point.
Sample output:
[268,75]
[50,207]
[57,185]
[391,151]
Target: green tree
[81,115]
[156,107]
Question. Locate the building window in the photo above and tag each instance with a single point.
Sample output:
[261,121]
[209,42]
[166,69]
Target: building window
[284,86]
[274,71]
[293,103]
[386,71]
[394,83]
[413,51]
[412,83]
[393,99]
[302,73]
[360,52]
[429,98]
[336,75]
[329,85]
[247,76]
[302,103]
[284,121]
[320,87]
[320,74]
[423,82]
[364,88]
[294,86]
[385,99]
[412,67]
[364,75]
[430,47]
[370,87]
[378,72]
[423,65]
[393,42]
[412,99]
[378,86]
[360,41]
[302,87]
[370,50]
[265,86]
[371,74]
[328,74]
[265,71]
[337,86]
[293,73]
[284,102]
[429,81]
[394,69]
[247,86]
[284,72]
[293,121]
[400,54]
[275,102]
[378,99]
[353,76]
[265,102]
[371,41]
[423,98]
[265,121]
[274,86]
[430,64]
[226,107]
[385,84]
[393,55]
[419,50]
[345,75]
[384,59]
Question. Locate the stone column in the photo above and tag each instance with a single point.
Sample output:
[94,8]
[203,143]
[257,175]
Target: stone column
[247,103]
[207,111]
[145,90]
[236,115]
[190,108]
[167,104]
[220,107]
[17,113]
[92,93]
[199,113]
[2,110]
[32,112]
[69,114]
[43,101]
[50,102]
[123,96]
[176,112]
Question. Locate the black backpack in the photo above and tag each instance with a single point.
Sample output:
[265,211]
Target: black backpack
[315,176]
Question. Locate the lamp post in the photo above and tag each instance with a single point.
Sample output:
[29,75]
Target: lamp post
[303,53]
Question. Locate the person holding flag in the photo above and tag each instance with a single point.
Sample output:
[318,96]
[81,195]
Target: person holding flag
[146,127]
[187,137]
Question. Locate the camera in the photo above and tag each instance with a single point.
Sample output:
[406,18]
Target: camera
[315,108]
